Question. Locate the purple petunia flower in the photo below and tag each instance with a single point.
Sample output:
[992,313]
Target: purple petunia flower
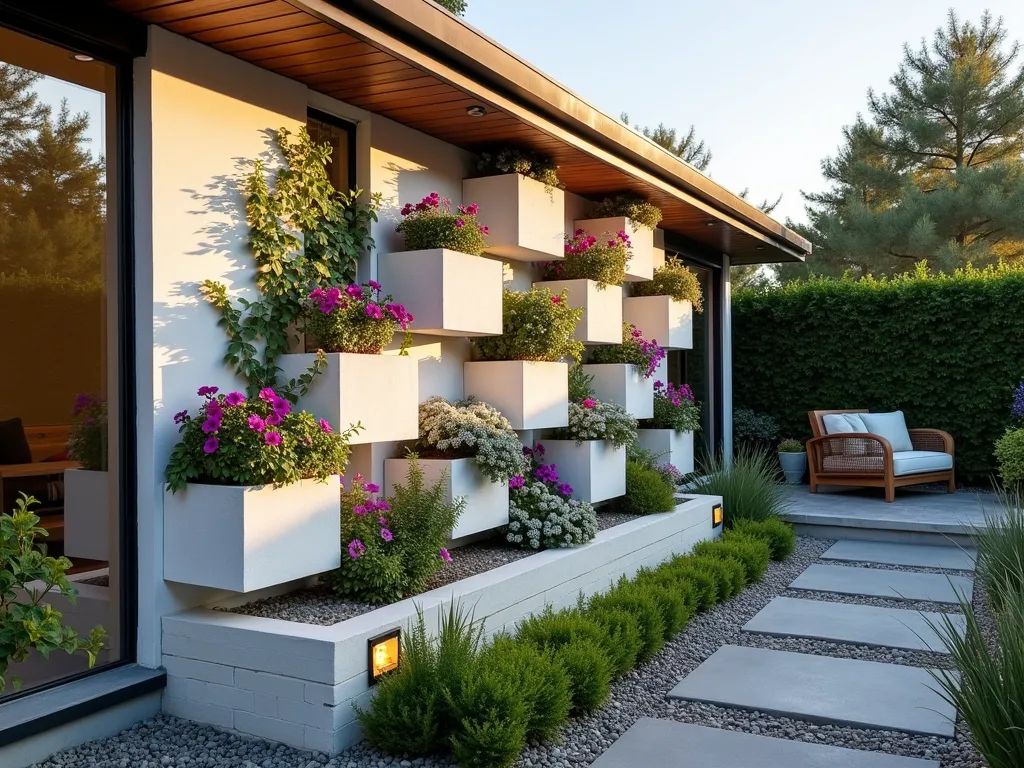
[282,407]
[256,423]
[234,398]
[81,403]
[360,510]
[383,521]
[372,488]
[267,394]
[180,417]
[565,489]
[213,408]
[272,438]
[355,549]
[538,450]
[207,391]
[517,482]
[375,285]
[386,534]
[374,311]
[445,555]
[460,223]
[212,424]
[354,291]
[325,427]
[211,445]
[273,419]
[589,403]
[382,506]
[547,473]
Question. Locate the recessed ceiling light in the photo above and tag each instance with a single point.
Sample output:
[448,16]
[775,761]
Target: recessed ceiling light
[82,57]
[477,110]
[711,223]
[760,247]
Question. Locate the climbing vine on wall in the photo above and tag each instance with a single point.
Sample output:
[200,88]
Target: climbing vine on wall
[303,233]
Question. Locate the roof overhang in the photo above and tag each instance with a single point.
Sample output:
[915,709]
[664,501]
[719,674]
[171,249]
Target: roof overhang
[414,62]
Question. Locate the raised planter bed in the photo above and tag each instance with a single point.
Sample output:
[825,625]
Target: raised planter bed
[526,220]
[602,309]
[662,319]
[87,514]
[296,683]
[448,292]
[530,394]
[673,447]
[244,538]
[595,469]
[486,502]
[641,264]
[379,391]
[623,385]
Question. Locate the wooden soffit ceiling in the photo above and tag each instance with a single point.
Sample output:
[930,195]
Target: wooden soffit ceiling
[415,63]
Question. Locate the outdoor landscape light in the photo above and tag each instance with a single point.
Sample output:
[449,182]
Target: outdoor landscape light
[717,516]
[384,652]
[477,110]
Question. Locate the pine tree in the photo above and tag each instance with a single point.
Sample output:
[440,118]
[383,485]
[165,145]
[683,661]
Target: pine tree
[688,148]
[458,7]
[935,173]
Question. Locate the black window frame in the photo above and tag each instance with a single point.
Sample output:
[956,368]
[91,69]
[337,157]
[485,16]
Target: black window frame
[93,28]
[312,113]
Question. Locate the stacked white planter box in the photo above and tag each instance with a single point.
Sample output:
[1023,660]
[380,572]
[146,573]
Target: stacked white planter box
[623,385]
[244,538]
[530,394]
[448,292]
[641,264]
[87,514]
[526,220]
[661,319]
[669,445]
[602,309]
[595,469]
[379,391]
[486,502]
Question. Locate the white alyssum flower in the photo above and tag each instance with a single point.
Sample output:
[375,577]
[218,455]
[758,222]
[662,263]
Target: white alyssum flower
[540,518]
[472,428]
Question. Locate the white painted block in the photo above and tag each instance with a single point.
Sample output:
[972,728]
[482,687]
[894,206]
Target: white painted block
[87,514]
[244,538]
[379,391]
[659,248]
[661,319]
[526,221]
[624,385]
[447,292]
[671,446]
[595,469]
[641,264]
[530,394]
[486,502]
[602,309]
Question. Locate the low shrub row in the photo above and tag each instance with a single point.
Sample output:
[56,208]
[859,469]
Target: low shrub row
[481,702]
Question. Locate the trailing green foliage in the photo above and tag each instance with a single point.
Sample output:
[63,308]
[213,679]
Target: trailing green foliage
[535,326]
[1009,453]
[647,493]
[633,207]
[303,234]
[673,279]
[779,535]
[748,485]
[27,575]
[875,344]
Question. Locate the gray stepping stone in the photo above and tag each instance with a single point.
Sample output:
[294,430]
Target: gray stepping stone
[821,689]
[850,623]
[667,744]
[916,555]
[878,582]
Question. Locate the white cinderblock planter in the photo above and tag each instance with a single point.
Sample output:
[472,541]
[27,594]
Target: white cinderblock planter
[531,395]
[245,538]
[486,502]
[595,469]
[662,319]
[448,292]
[602,309]
[669,445]
[641,265]
[87,514]
[380,391]
[526,221]
[624,385]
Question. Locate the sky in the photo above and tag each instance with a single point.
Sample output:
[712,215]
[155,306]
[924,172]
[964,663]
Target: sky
[769,86]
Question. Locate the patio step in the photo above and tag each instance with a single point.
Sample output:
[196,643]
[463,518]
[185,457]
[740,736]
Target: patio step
[877,582]
[667,744]
[821,689]
[849,623]
[914,555]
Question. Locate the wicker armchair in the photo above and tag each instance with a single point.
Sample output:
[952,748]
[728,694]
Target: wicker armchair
[860,459]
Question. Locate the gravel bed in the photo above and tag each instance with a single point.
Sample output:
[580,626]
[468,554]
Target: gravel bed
[881,602]
[891,567]
[606,520]
[318,605]
[906,658]
[167,741]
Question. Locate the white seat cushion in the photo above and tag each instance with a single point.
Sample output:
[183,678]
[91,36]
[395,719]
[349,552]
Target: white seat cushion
[915,462]
[891,426]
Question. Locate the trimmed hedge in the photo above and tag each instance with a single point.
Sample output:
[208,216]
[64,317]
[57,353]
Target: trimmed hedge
[948,350]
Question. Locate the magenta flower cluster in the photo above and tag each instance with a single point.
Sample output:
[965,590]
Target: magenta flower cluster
[370,505]
[676,395]
[581,242]
[544,473]
[85,402]
[368,297]
[434,203]
[650,350]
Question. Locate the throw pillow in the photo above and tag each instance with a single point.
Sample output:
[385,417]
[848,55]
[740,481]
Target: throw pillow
[838,423]
[13,443]
[891,426]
